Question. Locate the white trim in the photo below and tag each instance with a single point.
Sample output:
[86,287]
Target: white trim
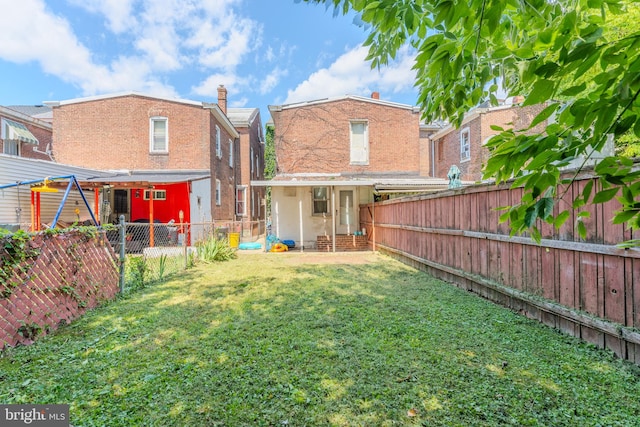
[218,193]
[465,131]
[244,201]
[342,98]
[365,142]
[230,153]
[152,121]
[218,143]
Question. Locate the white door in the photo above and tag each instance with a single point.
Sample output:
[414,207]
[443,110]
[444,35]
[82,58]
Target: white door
[347,210]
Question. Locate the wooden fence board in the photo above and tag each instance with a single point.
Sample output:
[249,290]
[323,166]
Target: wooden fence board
[613,289]
[589,283]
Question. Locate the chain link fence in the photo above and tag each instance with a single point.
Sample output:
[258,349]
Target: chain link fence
[152,252]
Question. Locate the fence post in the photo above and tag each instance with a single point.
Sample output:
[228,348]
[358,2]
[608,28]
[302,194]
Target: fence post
[123,242]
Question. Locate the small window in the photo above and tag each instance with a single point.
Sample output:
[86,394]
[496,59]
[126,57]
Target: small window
[218,195]
[241,201]
[359,133]
[320,200]
[230,153]
[11,146]
[465,144]
[218,143]
[159,135]
[251,157]
[157,194]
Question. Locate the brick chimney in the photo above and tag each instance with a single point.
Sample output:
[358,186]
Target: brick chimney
[375,95]
[222,98]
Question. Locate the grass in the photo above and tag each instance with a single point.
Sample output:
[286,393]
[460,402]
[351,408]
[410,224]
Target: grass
[279,339]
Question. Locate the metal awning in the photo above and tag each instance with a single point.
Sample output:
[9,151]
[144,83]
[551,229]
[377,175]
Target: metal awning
[19,132]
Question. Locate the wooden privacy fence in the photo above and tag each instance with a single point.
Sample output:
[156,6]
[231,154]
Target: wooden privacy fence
[588,288]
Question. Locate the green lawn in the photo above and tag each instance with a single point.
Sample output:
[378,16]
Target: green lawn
[281,339]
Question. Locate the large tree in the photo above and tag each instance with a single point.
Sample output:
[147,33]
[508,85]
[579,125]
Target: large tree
[579,57]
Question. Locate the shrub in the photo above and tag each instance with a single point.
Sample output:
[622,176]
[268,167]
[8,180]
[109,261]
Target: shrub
[215,249]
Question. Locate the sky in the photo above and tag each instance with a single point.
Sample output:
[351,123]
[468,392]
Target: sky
[265,52]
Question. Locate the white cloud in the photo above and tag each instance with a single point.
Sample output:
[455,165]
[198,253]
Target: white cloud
[209,87]
[351,74]
[166,36]
[272,80]
[119,13]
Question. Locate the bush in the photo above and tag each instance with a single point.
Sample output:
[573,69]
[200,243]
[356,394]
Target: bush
[215,249]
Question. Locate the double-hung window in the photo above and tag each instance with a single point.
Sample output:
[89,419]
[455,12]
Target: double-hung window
[159,135]
[465,144]
[320,200]
[230,153]
[359,132]
[241,200]
[218,143]
[218,195]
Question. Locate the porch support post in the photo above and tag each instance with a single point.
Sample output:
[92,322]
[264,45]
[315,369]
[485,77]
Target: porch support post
[151,230]
[333,217]
[96,203]
[301,227]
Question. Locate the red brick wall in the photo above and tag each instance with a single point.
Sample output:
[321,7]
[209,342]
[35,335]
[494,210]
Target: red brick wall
[316,138]
[113,133]
[447,148]
[70,274]
[343,243]
[220,170]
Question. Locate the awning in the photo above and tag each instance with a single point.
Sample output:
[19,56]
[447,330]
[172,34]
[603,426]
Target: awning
[19,132]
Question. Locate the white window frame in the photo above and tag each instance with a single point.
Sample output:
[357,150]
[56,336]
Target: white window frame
[352,141]
[218,143]
[243,202]
[218,193]
[251,157]
[230,153]
[157,194]
[152,145]
[465,145]
[314,200]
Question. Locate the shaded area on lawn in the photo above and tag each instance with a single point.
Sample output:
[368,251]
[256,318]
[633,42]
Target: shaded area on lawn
[275,340]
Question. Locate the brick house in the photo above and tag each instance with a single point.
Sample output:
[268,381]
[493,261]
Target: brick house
[249,199]
[465,146]
[171,155]
[23,135]
[334,156]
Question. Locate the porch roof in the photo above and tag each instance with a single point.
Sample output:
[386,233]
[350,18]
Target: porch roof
[144,178]
[380,184]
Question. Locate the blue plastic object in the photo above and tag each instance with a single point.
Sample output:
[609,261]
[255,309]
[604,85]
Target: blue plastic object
[290,243]
[250,245]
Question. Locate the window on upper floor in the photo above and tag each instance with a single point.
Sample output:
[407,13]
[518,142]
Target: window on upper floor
[11,146]
[465,144]
[159,135]
[218,195]
[359,131]
[230,153]
[218,143]
[320,200]
[241,200]
[251,158]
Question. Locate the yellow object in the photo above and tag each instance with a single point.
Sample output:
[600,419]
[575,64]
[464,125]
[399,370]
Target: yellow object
[44,188]
[279,247]
[234,240]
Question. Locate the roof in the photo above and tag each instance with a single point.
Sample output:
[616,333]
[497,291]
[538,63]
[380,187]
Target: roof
[31,110]
[381,183]
[24,118]
[241,117]
[342,98]
[120,95]
[131,178]
[213,107]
